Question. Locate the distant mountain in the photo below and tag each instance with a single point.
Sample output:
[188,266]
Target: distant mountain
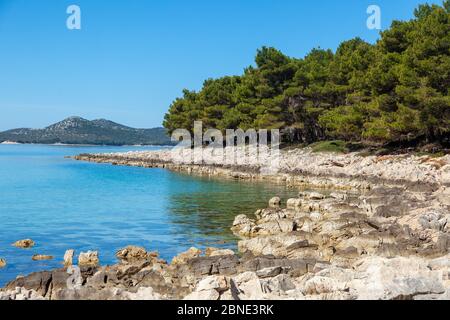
[76,130]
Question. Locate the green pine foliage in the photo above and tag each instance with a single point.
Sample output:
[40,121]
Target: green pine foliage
[394,90]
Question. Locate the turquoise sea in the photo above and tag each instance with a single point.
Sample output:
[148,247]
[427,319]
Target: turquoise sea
[65,204]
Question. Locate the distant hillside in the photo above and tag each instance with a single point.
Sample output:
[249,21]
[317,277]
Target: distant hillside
[76,130]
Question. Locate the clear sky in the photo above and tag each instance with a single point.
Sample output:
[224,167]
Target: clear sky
[132,58]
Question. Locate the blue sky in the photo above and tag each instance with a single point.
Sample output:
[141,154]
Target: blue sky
[131,59]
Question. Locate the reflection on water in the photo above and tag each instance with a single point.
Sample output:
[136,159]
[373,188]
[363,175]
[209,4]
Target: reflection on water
[209,210]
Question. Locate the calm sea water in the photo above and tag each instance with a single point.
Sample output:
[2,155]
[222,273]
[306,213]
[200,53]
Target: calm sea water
[65,204]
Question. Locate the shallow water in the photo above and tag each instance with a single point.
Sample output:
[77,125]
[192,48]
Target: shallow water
[65,204]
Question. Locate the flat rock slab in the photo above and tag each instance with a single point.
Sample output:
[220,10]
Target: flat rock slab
[24,244]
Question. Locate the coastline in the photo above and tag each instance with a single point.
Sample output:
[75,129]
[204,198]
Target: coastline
[383,233]
[302,167]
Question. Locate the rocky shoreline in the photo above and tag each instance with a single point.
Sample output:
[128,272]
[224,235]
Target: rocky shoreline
[301,167]
[383,233]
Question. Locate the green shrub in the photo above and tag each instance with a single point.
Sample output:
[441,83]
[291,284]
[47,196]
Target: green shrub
[336,146]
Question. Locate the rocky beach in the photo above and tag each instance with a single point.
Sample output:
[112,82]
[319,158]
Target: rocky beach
[377,227]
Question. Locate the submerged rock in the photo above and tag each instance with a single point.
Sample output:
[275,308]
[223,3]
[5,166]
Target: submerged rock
[24,244]
[2,263]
